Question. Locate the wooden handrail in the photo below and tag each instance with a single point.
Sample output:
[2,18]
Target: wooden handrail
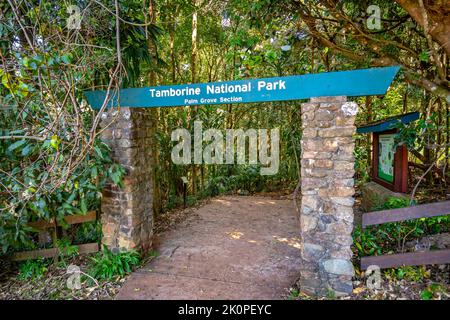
[407,259]
[415,212]
[411,258]
[72,219]
[53,252]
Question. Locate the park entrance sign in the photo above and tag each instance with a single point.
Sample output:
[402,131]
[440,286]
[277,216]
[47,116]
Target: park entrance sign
[362,82]
[327,160]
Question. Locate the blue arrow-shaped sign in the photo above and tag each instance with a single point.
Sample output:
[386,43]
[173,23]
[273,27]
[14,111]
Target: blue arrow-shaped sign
[364,82]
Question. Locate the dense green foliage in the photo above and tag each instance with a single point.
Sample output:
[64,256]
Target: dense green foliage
[33,269]
[106,265]
[391,237]
[52,162]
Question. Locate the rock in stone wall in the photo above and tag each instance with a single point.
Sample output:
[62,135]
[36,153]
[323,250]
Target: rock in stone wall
[127,213]
[327,170]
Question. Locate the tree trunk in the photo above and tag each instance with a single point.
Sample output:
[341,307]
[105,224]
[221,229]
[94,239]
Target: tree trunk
[154,114]
[447,145]
[426,151]
[369,119]
[405,100]
[172,55]
[193,80]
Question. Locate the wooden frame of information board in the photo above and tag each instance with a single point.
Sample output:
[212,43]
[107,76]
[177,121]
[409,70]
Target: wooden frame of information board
[400,172]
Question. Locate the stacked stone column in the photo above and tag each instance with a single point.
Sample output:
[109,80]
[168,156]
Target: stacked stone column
[127,213]
[327,170]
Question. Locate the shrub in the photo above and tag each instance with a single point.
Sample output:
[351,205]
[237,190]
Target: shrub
[79,194]
[412,273]
[395,203]
[173,201]
[66,251]
[88,232]
[431,291]
[390,237]
[106,264]
[33,269]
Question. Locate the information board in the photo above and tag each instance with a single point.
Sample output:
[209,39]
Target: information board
[386,153]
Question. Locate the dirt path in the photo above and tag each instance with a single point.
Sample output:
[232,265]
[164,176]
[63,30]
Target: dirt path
[231,248]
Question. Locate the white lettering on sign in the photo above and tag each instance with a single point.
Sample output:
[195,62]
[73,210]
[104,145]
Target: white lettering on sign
[162,93]
[231,99]
[269,86]
[214,89]
[227,88]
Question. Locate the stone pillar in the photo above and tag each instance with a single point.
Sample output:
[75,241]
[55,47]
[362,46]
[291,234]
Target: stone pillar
[127,213]
[327,169]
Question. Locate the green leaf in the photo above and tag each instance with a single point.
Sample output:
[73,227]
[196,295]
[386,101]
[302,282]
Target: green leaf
[26,150]
[426,295]
[83,206]
[424,56]
[55,142]
[5,81]
[99,152]
[94,172]
[358,245]
[33,65]
[66,58]
[16,145]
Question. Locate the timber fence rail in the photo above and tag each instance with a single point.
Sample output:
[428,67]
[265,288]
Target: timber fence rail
[410,258]
[43,225]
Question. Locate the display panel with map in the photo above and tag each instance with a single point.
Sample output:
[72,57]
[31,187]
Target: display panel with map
[386,157]
[389,161]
